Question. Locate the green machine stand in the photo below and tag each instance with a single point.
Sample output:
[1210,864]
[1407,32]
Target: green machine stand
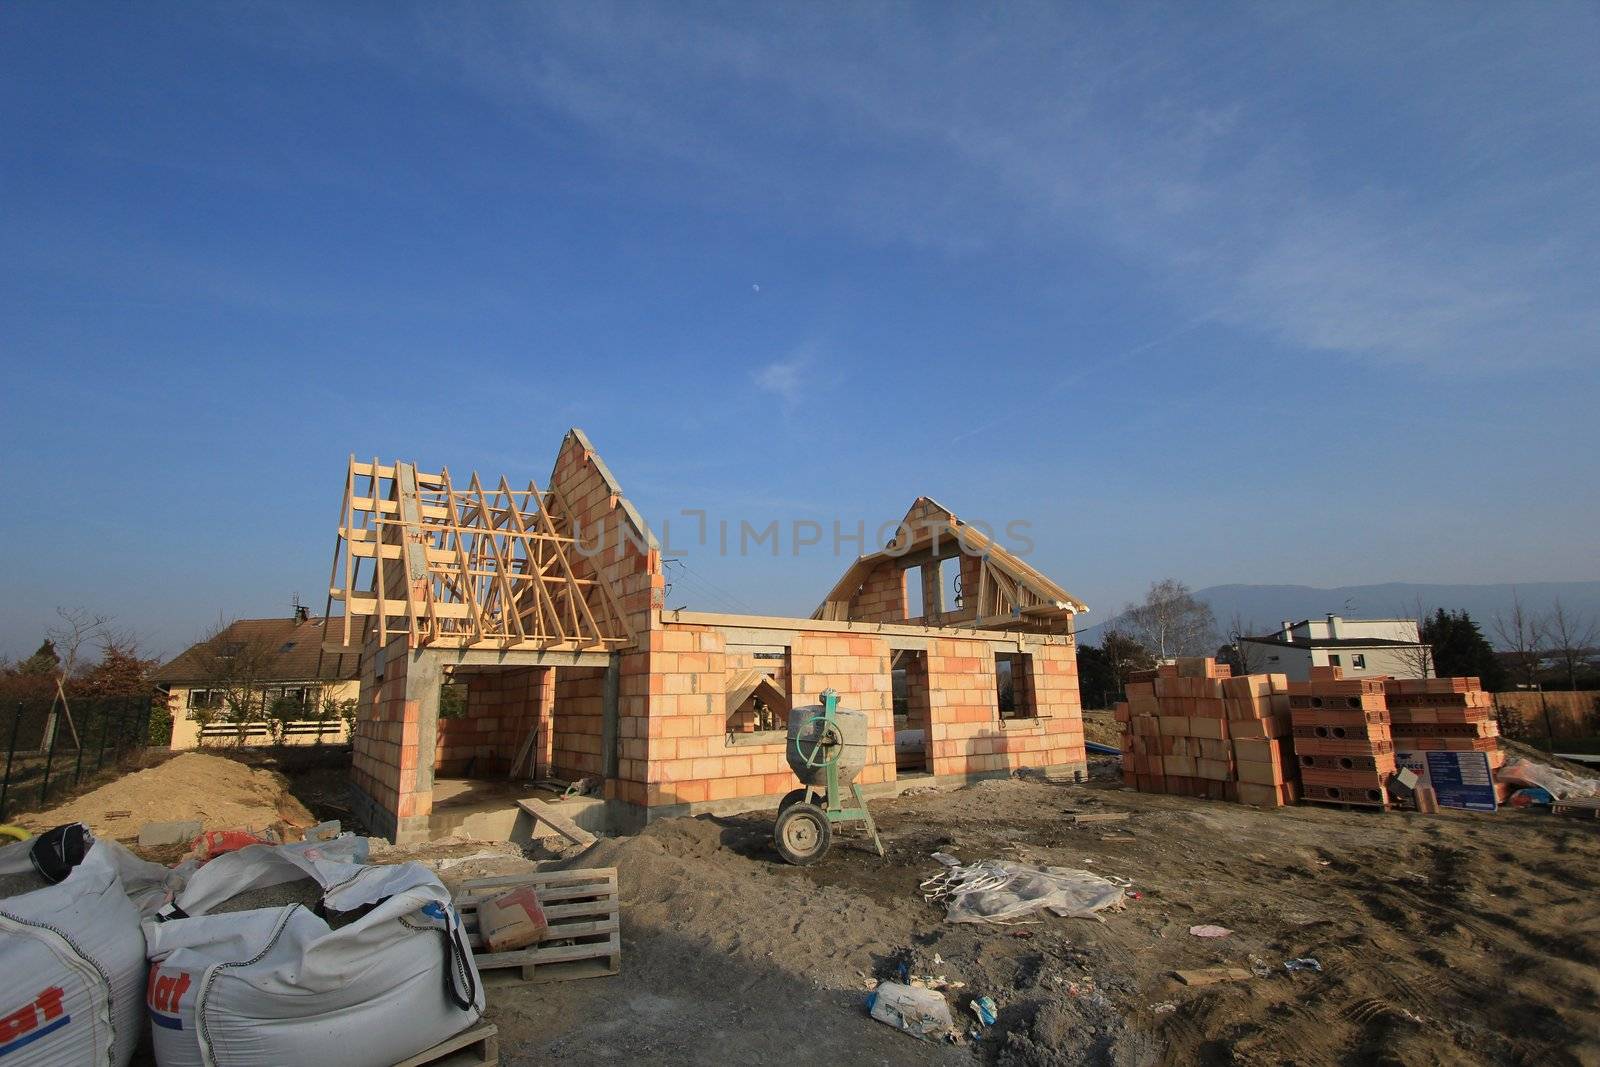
[806,816]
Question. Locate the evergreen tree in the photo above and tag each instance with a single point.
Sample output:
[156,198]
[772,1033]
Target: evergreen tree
[1461,650]
[43,662]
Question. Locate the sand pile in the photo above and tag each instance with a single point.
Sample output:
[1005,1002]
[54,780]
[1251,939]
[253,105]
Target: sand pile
[222,794]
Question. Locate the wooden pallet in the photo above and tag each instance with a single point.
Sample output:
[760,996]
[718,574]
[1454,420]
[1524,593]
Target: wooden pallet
[584,938]
[476,1046]
[1577,808]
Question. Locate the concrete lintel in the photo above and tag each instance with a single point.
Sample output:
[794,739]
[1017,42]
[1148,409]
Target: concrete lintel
[484,657]
[754,630]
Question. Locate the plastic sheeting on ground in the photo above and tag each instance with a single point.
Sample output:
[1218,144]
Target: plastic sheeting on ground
[1557,783]
[279,986]
[1002,891]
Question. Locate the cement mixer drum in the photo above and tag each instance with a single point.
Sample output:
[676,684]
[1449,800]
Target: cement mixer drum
[817,740]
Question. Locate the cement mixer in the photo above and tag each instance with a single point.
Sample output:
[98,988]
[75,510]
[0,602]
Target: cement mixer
[827,748]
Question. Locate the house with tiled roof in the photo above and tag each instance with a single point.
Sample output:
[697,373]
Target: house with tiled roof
[270,666]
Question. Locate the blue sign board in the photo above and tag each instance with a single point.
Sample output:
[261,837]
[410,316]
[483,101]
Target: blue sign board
[1462,780]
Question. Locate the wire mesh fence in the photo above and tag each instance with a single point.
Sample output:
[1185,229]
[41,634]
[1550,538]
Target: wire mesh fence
[51,747]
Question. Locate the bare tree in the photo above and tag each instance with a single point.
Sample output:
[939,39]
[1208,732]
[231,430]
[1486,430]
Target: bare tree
[1522,634]
[77,628]
[1171,622]
[1418,659]
[1572,636]
[1245,656]
[237,668]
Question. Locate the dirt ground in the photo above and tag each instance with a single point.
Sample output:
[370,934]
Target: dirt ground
[1447,939]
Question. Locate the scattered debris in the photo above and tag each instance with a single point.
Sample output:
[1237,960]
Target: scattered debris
[1165,1007]
[172,832]
[456,861]
[1210,931]
[985,1009]
[921,1013]
[1212,975]
[1304,963]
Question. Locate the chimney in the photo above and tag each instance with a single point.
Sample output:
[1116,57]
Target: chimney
[301,613]
[1334,625]
[1288,630]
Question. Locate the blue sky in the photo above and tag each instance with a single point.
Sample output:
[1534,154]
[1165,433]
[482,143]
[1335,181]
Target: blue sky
[1278,293]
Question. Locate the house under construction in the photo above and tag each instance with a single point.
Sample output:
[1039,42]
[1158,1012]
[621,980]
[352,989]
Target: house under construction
[546,606]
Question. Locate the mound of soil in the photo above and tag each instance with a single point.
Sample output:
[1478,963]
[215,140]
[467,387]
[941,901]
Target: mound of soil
[222,794]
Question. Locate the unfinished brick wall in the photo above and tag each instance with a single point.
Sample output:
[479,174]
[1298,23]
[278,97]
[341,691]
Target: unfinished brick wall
[502,706]
[882,596]
[577,724]
[612,538]
[614,542]
[684,753]
[384,746]
[968,734]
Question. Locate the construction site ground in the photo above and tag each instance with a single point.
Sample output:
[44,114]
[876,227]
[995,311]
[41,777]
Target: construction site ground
[1457,938]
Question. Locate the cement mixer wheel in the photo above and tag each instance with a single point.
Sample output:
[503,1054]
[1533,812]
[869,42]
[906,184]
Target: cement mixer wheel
[802,834]
[791,798]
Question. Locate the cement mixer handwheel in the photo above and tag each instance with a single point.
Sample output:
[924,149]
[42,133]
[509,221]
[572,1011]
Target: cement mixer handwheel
[828,745]
[802,834]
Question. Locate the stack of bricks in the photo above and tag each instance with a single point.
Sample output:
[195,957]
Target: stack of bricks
[1444,714]
[1342,739]
[1175,731]
[1257,706]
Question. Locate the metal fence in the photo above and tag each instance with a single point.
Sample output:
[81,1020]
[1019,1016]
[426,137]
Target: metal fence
[50,749]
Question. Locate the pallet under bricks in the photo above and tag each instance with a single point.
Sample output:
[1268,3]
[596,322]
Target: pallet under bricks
[1183,724]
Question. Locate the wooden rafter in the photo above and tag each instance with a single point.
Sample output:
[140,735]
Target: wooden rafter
[468,567]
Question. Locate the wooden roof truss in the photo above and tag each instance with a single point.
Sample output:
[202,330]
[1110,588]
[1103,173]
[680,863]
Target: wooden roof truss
[1010,594]
[465,566]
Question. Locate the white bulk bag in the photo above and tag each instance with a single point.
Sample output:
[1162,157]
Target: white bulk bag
[278,986]
[72,962]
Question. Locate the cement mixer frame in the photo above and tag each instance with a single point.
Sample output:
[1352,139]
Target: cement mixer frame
[804,830]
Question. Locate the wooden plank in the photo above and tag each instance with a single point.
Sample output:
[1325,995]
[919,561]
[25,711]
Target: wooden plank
[476,1046]
[1212,975]
[1101,816]
[562,825]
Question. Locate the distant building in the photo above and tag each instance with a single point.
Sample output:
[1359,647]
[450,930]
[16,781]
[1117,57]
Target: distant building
[1362,647]
[295,670]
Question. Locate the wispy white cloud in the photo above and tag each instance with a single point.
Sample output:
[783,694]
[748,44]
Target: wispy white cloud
[784,378]
[1340,184]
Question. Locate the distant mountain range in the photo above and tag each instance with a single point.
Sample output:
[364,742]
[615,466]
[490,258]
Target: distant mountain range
[1265,606]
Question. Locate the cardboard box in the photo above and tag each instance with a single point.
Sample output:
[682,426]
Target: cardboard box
[511,920]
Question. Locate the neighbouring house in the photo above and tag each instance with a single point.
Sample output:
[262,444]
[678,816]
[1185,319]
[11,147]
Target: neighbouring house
[275,668]
[1361,647]
[547,606]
